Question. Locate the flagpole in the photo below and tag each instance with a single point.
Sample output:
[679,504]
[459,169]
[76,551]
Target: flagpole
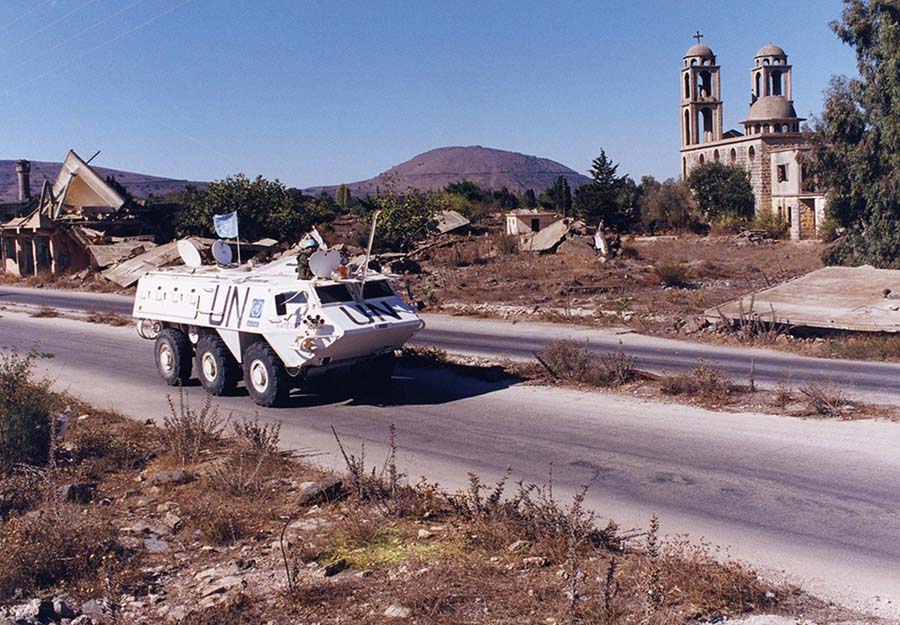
[238,232]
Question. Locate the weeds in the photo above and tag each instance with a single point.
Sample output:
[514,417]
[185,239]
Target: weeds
[252,461]
[186,432]
[703,382]
[672,274]
[568,361]
[25,412]
[750,328]
[107,317]
[45,312]
[824,400]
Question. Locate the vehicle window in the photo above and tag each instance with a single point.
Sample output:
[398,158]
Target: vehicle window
[291,297]
[334,293]
[377,288]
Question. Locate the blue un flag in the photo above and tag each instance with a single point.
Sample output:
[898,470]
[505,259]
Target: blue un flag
[226,225]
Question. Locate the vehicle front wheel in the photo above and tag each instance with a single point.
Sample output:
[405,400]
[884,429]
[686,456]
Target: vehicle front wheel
[217,369]
[173,356]
[264,375]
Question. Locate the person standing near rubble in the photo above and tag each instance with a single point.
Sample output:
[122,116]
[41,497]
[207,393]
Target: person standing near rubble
[307,248]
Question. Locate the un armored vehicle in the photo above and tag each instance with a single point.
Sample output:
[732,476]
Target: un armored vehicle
[268,327]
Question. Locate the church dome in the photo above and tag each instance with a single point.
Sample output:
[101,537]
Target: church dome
[699,50]
[772,107]
[771,50]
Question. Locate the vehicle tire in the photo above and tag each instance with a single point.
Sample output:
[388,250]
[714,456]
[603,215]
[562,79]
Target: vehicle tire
[173,356]
[217,369]
[264,375]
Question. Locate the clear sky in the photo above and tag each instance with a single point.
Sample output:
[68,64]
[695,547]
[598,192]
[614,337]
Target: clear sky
[328,92]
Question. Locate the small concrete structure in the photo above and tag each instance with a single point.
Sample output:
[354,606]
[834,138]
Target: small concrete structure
[862,299]
[522,222]
[450,221]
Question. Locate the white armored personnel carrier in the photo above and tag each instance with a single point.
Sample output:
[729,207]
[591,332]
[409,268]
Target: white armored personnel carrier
[267,326]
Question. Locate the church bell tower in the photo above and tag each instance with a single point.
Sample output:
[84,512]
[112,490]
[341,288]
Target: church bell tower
[701,97]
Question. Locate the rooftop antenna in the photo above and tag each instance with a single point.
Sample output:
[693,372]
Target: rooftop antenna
[698,36]
[88,162]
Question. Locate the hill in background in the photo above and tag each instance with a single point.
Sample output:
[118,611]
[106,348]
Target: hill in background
[139,185]
[488,167]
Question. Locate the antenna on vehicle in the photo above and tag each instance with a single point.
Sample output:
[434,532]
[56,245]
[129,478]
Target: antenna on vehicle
[88,162]
[364,270]
[221,251]
[189,254]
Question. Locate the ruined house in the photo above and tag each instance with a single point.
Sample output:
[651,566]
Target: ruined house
[521,222]
[771,147]
[55,233]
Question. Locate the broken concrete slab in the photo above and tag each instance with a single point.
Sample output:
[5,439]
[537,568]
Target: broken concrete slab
[576,246]
[548,238]
[127,273]
[104,256]
[834,298]
[450,221]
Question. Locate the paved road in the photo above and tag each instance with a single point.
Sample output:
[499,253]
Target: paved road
[492,338]
[814,498]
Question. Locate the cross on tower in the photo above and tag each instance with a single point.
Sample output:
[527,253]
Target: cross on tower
[697,36]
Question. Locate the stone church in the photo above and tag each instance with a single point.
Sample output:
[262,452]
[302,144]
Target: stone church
[771,147]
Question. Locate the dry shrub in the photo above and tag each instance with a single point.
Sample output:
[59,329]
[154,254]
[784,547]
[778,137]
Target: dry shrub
[630,251]
[219,521]
[703,382]
[45,312]
[57,544]
[750,328]
[424,356]
[102,444]
[672,273]
[252,461]
[20,492]
[186,432]
[507,244]
[825,400]
[25,411]
[107,317]
[783,395]
[237,611]
[570,362]
[866,347]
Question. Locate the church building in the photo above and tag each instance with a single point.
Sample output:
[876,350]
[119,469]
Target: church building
[771,146]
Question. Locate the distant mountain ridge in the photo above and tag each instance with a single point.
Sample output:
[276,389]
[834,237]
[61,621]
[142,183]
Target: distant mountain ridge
[139,185]
[490,168]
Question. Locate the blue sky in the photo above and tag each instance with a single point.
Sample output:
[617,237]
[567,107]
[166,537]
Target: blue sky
[329,92]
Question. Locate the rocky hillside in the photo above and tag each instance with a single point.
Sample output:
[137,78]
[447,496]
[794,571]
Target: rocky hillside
[139,185]
[489,167]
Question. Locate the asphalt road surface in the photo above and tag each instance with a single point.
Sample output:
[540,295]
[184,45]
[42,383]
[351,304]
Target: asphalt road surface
[519,340]
[815,499]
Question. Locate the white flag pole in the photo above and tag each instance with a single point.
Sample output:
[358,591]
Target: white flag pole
[238,232]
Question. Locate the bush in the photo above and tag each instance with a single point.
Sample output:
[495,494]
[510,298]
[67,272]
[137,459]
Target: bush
[25,406]
[672,273]
[824,400]
[773,223]
[41,549]
[186,432]
[252,461]
[703,382]
[570,362]
[722,190]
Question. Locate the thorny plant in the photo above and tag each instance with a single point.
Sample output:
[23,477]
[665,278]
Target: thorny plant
[186,432]
[751,328]
[824,400]
[252,460]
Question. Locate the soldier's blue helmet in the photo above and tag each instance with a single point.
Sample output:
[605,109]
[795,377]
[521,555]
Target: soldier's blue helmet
[309,243]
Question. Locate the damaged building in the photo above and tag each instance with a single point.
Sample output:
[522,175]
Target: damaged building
[80,220]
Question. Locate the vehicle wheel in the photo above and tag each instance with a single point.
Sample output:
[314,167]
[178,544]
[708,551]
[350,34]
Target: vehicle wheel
[216,367]
[264,375]
[173,356]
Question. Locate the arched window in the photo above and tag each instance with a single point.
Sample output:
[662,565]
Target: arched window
[775,87]
[758,129]
[704,125]
[684,168]
[758,84]
[733,155]
[751,153]
[702,160]
[704,85]
[687,85]
[687,128]
[765,61]
[716,156]
[693,61]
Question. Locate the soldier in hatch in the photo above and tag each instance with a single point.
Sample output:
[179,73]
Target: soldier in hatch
[307,248]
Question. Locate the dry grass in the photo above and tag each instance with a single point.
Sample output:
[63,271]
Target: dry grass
[825,401]
[884,347]
[252,460]
[569,361]
[672,273]
[45,312]
[107,317]
[703,383]
[186,432]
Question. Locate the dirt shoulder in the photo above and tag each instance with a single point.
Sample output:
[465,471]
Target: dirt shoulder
[196,522]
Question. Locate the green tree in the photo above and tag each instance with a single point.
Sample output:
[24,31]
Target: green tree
[266,208]
[856,142]
[722,191]
[468,189]
[529,200]
[608,198]
[667,206]
[404,221]
[342,197]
